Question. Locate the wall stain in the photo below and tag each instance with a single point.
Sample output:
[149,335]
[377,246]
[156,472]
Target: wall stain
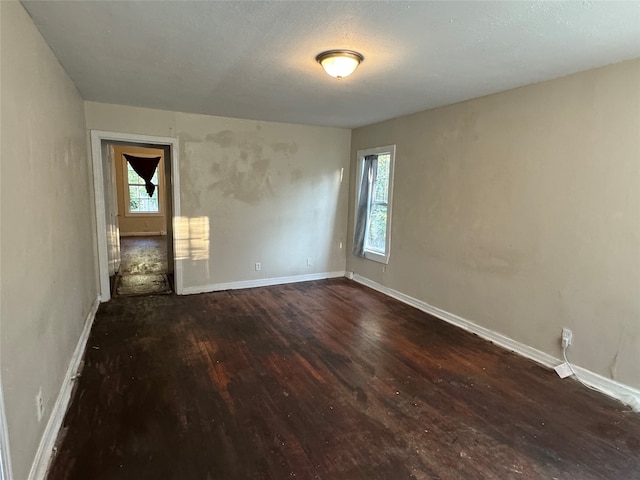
[497,260]
[225,138]
[296,175]
[260,166]
[245,188]
[191,188]
[234,163]
[283,147]
[185,137]
[242,180]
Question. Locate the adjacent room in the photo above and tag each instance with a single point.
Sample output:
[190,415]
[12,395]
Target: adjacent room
[319,240]
[141,260]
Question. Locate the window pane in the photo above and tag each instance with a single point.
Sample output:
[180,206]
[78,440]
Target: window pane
[134,198]
[381,187]
[376,236]
[140,202]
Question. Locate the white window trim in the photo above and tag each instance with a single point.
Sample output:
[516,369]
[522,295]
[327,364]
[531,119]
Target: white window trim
[125,180]
[391,150]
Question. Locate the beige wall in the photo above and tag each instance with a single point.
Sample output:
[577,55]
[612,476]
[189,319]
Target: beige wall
[521,212]
[47,281]
[250,192]
[138,223]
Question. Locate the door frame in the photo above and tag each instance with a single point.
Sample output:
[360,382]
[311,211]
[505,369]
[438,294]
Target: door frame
[172,186]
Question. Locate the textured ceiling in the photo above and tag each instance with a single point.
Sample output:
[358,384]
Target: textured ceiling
[256,59]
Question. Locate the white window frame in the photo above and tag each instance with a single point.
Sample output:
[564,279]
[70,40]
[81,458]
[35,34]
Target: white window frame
[160,187]
[391,150]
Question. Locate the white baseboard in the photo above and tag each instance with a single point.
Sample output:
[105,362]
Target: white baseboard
[141,234]
[628,395]
[47,442]
[619,391]
[262,282]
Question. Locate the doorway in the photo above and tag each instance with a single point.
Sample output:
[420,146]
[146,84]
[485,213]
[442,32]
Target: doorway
[135,217]
[142,206]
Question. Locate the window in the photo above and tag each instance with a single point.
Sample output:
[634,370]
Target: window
[373,203]
[139,200]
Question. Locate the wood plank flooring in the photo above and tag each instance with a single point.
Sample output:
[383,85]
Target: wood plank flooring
[324,380]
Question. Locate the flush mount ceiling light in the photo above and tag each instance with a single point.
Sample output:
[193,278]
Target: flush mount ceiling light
[339,63]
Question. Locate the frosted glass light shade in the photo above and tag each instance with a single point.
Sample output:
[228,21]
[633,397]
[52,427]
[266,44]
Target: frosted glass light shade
[339,63]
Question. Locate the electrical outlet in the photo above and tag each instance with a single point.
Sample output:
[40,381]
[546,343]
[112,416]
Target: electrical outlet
[309,262]
[39,405]
[567,337]
[258,266]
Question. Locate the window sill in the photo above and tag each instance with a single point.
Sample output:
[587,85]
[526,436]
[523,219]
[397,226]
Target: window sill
[143,214]
[377,257]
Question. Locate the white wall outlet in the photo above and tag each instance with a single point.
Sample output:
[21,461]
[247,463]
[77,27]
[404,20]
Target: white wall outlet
[258,266]
[308,261]
[567,337]
[39,405]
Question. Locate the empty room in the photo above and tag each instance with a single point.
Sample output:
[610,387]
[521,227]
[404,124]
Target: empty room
[319,240]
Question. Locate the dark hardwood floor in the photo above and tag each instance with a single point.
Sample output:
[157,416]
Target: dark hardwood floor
[326,380]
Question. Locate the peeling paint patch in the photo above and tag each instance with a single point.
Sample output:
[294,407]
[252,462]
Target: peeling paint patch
[244,181]
[230,162]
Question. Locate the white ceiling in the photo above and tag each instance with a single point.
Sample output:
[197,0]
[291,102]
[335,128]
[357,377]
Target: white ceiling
[256,60]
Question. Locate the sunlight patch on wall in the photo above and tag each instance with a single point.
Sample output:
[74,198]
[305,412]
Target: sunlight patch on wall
[192,238]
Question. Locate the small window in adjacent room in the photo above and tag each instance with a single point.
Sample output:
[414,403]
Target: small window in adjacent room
[373,203]
[138,189]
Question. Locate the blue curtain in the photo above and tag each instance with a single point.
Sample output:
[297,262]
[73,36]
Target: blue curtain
[369,171]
